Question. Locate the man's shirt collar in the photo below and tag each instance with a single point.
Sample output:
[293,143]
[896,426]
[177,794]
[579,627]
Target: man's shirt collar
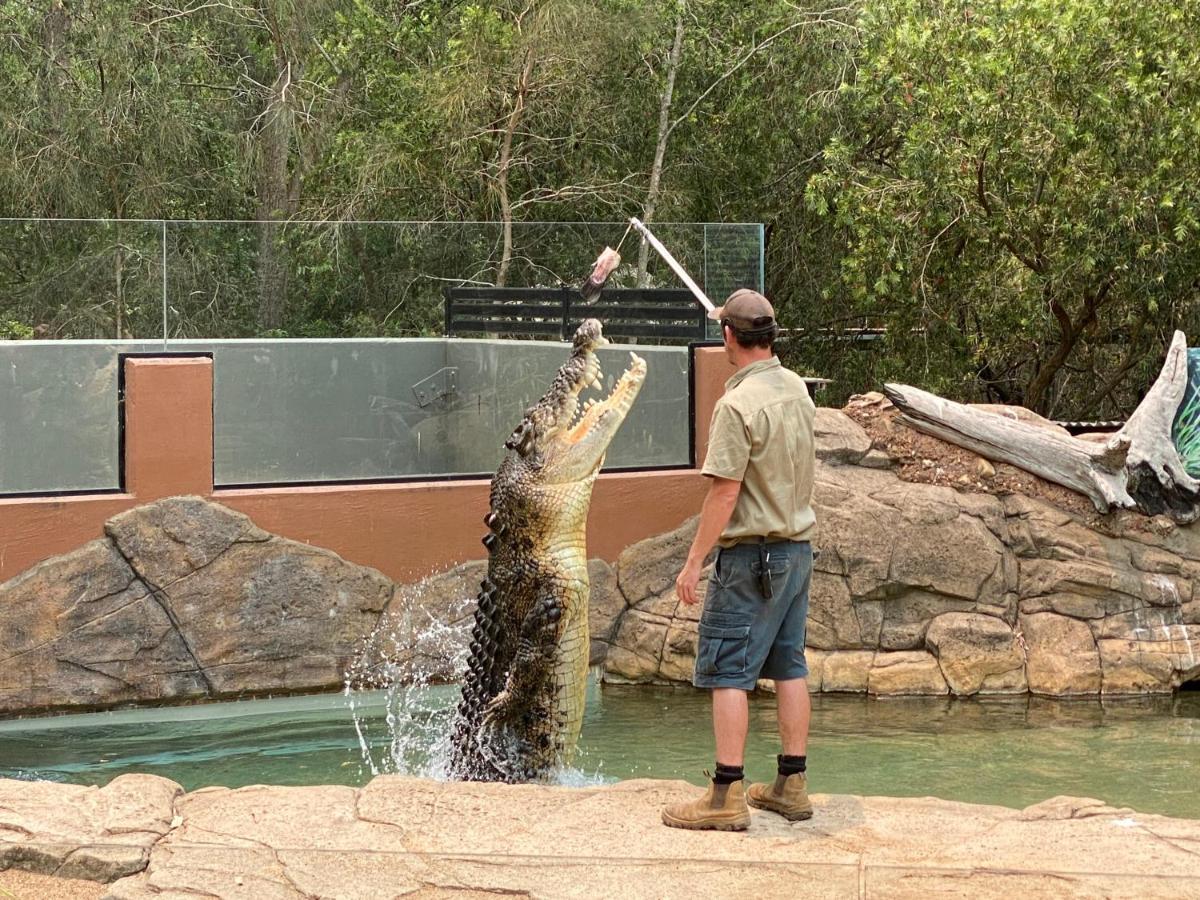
[754,368]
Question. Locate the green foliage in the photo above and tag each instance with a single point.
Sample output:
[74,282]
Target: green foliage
[1017,184]
[1011,189]
[14,331]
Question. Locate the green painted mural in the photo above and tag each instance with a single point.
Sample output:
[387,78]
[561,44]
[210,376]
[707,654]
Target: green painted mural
[1185,431]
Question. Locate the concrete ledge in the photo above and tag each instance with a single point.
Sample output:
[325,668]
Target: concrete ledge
[398,835]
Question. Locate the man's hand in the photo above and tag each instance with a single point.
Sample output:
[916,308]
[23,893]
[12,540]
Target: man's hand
[714,516]
[686,583]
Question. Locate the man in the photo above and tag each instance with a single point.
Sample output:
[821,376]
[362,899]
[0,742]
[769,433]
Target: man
[760,459]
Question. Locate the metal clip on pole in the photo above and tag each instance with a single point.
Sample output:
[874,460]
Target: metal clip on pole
[673,263]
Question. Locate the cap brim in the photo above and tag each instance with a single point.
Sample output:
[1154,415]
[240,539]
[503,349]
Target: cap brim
[717,313]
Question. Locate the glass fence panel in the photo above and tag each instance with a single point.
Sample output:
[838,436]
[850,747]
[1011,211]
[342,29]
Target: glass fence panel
[498,380]
[313,411]
[304,411]
[80,279]
[58,416]
[296,411]
[390,279]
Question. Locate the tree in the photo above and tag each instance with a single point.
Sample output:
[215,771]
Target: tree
[1020,192]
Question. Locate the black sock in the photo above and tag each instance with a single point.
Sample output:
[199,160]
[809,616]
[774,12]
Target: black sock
[791,765]
[728,774]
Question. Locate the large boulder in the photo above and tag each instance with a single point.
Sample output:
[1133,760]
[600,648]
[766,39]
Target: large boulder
[923,588]
[839,439]
[906,672]
[90,833]
[1061,655]
[83,630]
[975,651]
[183,599]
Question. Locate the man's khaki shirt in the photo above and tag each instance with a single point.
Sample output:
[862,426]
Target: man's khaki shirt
[762,436]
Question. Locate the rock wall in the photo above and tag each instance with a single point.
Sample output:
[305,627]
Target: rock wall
[918,588]
[925,589]
[182,599]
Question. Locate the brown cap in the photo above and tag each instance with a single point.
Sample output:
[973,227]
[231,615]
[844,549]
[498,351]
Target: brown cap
[744,307]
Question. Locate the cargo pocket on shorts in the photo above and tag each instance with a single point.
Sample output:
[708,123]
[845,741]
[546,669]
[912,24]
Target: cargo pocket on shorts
[723,649]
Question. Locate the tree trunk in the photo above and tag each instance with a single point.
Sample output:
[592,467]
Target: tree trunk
[1137,468]
[274,203]
[505,163]
[660,148]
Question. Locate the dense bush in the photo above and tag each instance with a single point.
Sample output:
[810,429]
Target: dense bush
[1006,192]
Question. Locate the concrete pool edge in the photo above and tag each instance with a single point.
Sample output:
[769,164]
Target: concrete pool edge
[143,835]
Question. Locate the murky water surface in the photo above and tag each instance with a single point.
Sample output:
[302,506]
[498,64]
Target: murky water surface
[1144,754]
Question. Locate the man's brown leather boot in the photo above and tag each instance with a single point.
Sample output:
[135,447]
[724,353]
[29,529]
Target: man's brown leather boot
[788,796]
[722,808]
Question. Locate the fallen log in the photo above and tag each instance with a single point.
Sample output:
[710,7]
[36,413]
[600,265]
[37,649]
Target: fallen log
[1136,468]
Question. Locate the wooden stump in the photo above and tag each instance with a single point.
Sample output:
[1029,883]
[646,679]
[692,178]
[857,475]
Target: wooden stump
[1137,468]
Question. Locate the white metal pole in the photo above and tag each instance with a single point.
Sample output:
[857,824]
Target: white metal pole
[673,263]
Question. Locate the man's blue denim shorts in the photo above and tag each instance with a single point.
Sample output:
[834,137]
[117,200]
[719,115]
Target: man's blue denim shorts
[743,635]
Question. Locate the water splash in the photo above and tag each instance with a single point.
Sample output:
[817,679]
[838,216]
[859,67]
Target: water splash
[400,690]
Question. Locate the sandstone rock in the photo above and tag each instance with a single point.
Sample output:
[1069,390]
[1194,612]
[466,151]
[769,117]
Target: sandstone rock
[1013,681]
[907,616]
[99,834]
[424,633]
[84,630]
[185,599]
[1155,560]
[170,539]
[890,534]
[276,614]
[839,439]
[606,603]
[970,648]
[637,650]
[1094,588]
[847,671]
[1061,655]
[816,660]
[836,621]
[1156,661]
[679,652]
[912,672]
[605,608]
[649,567]
[1136,667]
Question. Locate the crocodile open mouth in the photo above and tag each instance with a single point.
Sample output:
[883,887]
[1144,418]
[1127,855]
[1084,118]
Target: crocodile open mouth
[584,417]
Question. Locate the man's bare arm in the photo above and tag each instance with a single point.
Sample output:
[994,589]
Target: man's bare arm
[714,516]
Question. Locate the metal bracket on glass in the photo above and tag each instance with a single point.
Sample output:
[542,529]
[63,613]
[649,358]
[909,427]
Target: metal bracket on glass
[442,386]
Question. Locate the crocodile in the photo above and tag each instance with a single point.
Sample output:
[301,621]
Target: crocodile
[522,700]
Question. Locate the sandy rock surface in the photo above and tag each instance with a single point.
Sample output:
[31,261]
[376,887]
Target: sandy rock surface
[407,837]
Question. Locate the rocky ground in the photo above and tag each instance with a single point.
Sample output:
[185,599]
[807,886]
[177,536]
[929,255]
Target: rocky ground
[142,837]
[922,459]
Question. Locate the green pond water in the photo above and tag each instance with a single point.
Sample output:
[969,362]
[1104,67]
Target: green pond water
[1144,754]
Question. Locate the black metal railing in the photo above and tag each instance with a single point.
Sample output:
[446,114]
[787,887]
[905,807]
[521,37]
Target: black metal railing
[624,312]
